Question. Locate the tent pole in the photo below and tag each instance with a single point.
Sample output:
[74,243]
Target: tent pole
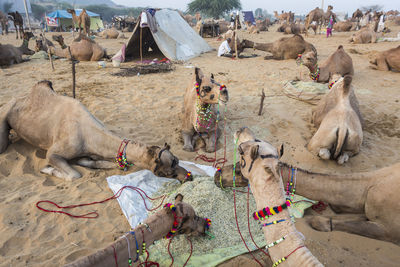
[236,47]
[27,16]
[141,52]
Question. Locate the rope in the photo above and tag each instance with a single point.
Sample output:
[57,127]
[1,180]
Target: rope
[115,256]
[172,258]
[94,214]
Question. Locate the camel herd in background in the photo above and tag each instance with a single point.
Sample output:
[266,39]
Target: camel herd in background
[85,141]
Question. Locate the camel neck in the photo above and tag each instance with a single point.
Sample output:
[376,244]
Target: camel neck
[347,191]
[292,239]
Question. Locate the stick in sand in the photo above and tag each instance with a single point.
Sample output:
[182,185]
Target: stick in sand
[261,103]
[236,28]
[73,72]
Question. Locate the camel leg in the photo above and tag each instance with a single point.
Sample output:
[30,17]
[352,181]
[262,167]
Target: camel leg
[381,64]
[354,224]
[60,167]
[212,141]
[96,164]
[187,141]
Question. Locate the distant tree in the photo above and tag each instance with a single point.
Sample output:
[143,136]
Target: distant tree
[214,8]
[7,6]
[372,8]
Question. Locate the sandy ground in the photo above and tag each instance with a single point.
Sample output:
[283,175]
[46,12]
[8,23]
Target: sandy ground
[147,108]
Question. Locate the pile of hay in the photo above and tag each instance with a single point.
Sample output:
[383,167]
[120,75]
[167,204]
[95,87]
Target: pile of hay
[309,92]
[211,202]
[144,69]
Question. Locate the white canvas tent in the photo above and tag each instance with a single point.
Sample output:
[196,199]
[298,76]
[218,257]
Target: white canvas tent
[174,38]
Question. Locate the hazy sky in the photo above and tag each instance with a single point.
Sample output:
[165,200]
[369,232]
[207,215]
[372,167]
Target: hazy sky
[298,6]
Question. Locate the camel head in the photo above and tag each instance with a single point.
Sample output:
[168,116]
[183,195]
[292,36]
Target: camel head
[164,164]
[189,222]
[59,39]
[28,35]
[309,59]
[330,8]
[208,91]
[71,11]
[257,158]
[11,16]
[39,45]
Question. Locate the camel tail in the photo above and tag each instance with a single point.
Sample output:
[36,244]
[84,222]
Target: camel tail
[342,135]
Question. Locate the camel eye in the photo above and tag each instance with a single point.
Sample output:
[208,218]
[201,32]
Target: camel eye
[207,89]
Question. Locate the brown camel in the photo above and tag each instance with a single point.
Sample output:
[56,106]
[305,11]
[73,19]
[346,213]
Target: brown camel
[387,60]
[42,44]
[109,33]
[284,48]
[262,25]
[343,26]
[368,200]
[154,228]
[319,16]
[251,28]
[82,20]
[10,54]
[69,132]
[18,23]
[357,15]
[200,111]
[339,135]
[3,23]
[259,162]
[282,17]
[339,62]
[365,36]
[82,48]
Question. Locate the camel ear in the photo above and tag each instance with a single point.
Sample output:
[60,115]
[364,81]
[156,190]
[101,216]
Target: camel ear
[254,152]
[152,151]
[281,150]
[167,147]
[178,198]
[347,81]
[199,75]
[212,76]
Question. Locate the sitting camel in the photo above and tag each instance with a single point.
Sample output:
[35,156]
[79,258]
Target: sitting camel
[109,33]
[339,62]
[82,19]
[365,36]
[200,111]
[387,60]
[10,54]
[18,23]
[368,201]
[68,131]
[259,162]
[154,228]
[344,26]
[262,25]
[284,17]
[251,28]
[284,48]
[43,44]
[339,135]
[82,48]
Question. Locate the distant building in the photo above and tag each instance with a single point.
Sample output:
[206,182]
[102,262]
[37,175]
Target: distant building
[16,5]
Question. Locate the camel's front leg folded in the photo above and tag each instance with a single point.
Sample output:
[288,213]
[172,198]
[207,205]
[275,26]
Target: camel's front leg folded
[96,164]
[60,168]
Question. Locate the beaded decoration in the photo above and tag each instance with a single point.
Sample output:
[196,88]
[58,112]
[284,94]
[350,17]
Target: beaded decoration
[197,86]
[279,262]
[208,223]
[275,242]
[121,160]
[129,251]
[291,185]
[268,212]
[299,60]
[188,175]
[204,115]
[175,224]
[331,85]
[315,76]
[274,222]
[137,246]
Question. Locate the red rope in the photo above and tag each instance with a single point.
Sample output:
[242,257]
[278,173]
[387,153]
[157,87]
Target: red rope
[147,263]
[115,256]
[248,223]
[94,213]
[294,251]
[172,258]
[319,207]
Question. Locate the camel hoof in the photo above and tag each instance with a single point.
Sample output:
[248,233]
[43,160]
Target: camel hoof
[188,148]
[47,170]
[342,159]
[321,223]
[324,153]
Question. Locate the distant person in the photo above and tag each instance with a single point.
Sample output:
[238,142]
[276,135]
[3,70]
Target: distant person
[330,26]
[224,49]
[232,21]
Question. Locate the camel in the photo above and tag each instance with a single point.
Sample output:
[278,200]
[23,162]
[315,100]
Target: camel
[339,135]
[10,54]
[3,23]
[319,16]
[109,33]
[357,15]
[251,28]
[284,48]
[200,111]
[42,44]
[82,20]
[154,228]
[18,23]
[339,62]
[343,26]
[82,48]
[367,206]
[365,36]
[387,60]
[70,133]
[262,25]
[259,163]
[282,17]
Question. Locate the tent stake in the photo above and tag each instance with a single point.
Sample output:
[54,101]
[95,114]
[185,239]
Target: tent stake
[141,52]
[236,47]
[73,71]
[261,103]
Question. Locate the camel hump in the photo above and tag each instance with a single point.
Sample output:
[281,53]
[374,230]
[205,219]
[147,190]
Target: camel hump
[298,35]
[47,83]
[340,47]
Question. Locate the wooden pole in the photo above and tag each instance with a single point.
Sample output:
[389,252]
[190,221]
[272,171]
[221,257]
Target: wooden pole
[73,72]
[261,103]
[141,52]
[236,28]
[27,15]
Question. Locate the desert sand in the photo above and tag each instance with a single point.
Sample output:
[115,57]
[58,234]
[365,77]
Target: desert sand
[147,108]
